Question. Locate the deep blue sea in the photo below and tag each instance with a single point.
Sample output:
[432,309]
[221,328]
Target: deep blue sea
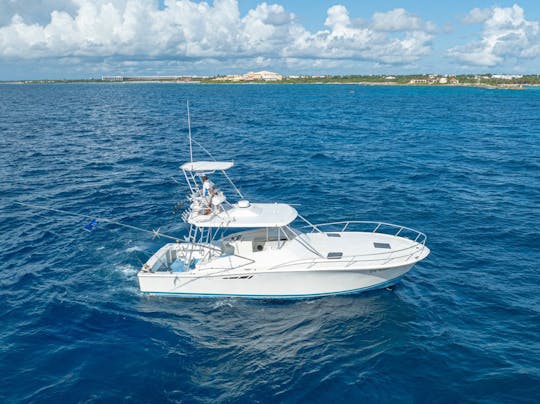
[460,164]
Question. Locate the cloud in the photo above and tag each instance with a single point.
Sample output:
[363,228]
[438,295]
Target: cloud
[33,11]
[477,15]
[184,30]
[348,39]
[506,34]
[396,20]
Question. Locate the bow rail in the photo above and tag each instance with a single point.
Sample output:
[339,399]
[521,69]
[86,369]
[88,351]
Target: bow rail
[370,226]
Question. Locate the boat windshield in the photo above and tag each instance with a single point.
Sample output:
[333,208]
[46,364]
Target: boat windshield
[266,233]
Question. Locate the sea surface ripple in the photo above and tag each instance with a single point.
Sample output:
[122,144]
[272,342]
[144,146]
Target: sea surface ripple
[460,164]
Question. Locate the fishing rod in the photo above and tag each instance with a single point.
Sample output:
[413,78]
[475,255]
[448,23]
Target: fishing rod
[95,220]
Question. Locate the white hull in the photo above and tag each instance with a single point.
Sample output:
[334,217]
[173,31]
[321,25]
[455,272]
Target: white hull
[274,284]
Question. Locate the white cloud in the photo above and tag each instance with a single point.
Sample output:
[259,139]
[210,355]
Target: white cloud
[477,15]
[186,30]
[33,11]
[347,39]
[506,34]
[396,20]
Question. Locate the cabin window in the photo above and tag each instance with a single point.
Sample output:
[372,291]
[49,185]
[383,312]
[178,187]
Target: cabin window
[381,245]
[333,234]
[334,255]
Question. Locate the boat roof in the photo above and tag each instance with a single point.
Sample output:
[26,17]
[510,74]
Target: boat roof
[206,166]
[254,215]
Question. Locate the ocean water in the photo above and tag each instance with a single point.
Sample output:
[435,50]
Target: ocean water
[460,164]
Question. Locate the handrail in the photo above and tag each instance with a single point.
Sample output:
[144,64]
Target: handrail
[214,249]
[387,256]
[187,253]
[347,223]
[345,261]
[377,227]
[348,260]
[419,240]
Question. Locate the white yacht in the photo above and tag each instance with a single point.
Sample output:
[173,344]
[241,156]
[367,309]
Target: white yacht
[268,250]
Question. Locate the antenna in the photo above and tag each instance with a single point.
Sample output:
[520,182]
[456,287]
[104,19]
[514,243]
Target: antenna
[189,131]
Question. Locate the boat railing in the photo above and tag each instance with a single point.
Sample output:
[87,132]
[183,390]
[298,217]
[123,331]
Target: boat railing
[385,257]
[190,254]
[395,230]
[381,258]
[207,252]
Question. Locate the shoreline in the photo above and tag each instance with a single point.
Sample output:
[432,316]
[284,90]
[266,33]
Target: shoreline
[509,86]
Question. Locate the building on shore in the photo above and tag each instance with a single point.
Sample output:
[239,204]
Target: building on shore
[112,78]
[149,78]
[434,79]
[231,77]
[263,75]
[506,76]
[252,76]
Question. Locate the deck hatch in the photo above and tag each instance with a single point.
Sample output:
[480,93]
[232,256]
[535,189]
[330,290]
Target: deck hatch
[334,255]
[381,245]
[333,234]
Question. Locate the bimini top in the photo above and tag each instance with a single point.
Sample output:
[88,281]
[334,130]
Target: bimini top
[206,166]
[247,215]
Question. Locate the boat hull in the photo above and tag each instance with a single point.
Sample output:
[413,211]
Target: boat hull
[270,284]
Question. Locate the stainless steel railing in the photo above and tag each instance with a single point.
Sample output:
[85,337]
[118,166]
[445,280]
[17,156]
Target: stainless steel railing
[208,252]
[376,227]
[382,258]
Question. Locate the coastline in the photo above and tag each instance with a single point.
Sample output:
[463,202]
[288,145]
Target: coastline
[358,83]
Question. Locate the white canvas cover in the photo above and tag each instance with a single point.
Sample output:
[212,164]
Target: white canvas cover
[206,166]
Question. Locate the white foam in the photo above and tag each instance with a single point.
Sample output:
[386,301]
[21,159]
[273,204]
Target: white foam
[127,269]
[222,303]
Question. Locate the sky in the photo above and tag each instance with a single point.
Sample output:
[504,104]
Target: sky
[57,39]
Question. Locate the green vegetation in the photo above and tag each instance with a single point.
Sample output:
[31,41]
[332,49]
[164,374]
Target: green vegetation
[472,79]
[531,79]
[481,80]
[92,80]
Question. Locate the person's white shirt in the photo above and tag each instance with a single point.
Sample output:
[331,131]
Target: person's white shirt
[208,187]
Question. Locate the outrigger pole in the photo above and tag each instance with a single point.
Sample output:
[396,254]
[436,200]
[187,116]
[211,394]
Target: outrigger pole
[154,233]
[189,132]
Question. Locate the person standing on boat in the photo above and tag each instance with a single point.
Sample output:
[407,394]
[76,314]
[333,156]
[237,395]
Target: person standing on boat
[208,192]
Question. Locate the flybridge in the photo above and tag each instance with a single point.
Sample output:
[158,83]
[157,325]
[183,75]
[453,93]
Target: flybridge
[214,210]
